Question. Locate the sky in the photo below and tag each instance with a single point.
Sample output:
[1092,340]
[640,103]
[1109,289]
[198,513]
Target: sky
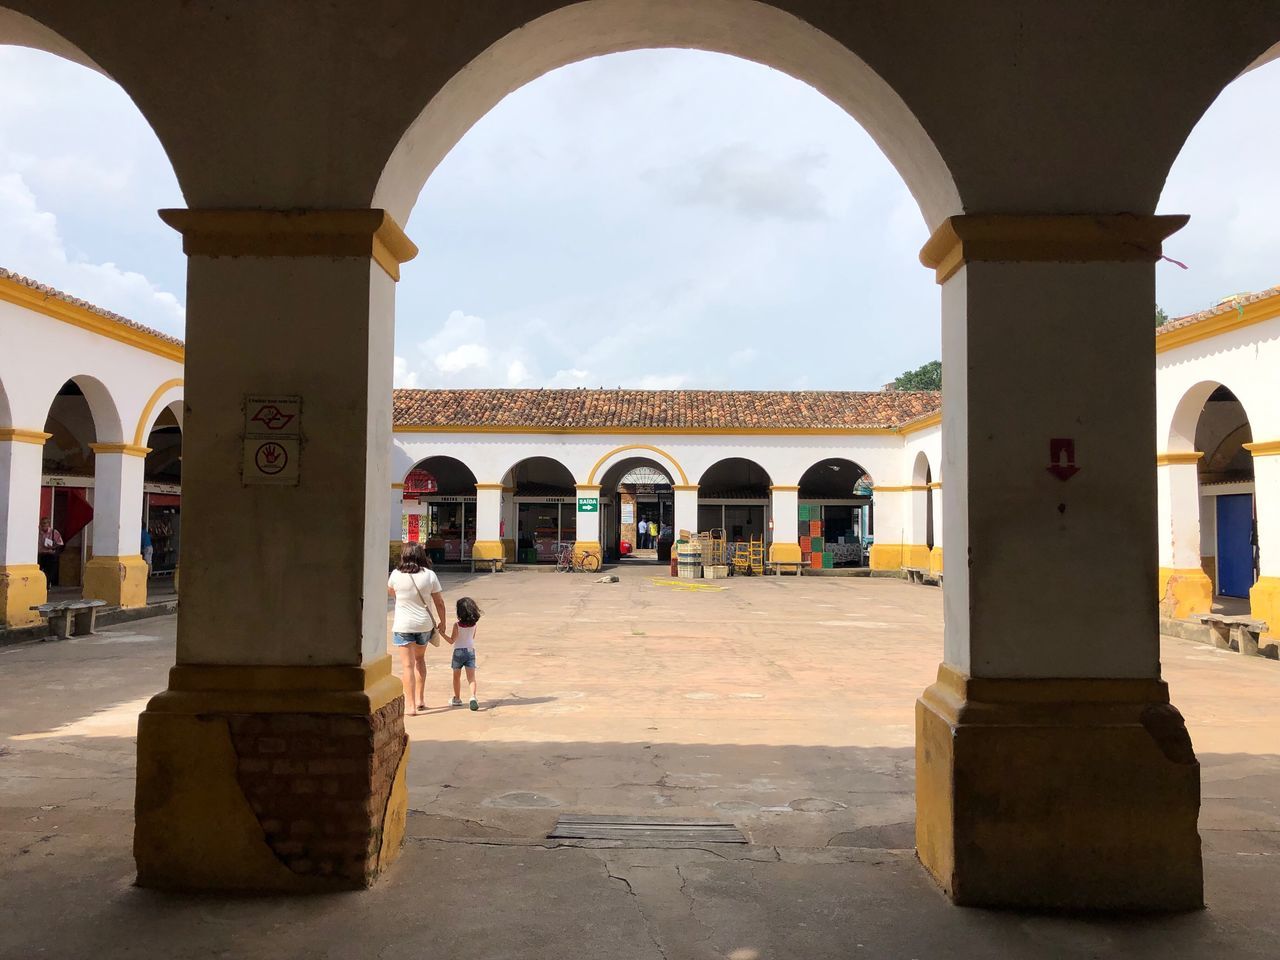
[656,219]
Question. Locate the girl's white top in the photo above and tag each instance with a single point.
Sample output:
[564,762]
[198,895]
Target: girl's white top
[466,637]
[412,615]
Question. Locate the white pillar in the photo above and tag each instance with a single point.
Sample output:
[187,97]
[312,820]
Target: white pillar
[1184,588]
[784,502]
[395,513]
[1264,597]
[1051,652]
[891,504]
[116,572]
[22,584]
[587,536]
[509,520]
[488,522]
[686,507]
[915,546]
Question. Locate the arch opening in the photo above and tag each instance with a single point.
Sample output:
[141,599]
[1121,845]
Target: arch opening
[544,502]
[734,496]
[835,502]
[438,508]
[635,493]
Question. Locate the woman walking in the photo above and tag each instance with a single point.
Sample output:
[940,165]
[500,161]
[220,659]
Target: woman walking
[411,584]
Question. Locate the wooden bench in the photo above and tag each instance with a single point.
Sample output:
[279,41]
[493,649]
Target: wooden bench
[68,617]
[778,567]
[1238,633]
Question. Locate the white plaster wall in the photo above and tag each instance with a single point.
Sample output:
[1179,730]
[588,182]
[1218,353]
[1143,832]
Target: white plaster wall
[41,353]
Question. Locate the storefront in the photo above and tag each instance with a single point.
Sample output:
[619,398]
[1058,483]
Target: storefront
[445,525]
[842,526]
[541,524]
[162,514]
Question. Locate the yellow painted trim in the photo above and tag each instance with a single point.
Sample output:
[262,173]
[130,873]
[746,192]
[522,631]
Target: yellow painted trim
[22,586]
[1169,459]
[886,556]
[935,561]
[138,438]
[1225,322]
[204,688]
[128,449]
[121,581]
[923,423]
[582,546]
[936,485]
[18,435]
[1264,604]
[784,552]
[916,555]
[879,489]
[1046,238]
[1183,593]
[293,233]
[687,487]
[588,487]
[654,431]
[785,488]
[488,550]
[1265,448]
[591,478]
[20,294]
[397,486]
[490,486]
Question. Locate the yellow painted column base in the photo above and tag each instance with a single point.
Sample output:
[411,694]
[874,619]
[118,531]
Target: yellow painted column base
[22,585]
[1184,593]
[488,550]
[1264,604]
[581,548]
[886,556]
[935,561]
[916,555]
[1057,794]
[784,552]
[509,550]
[121,581]
[271,779]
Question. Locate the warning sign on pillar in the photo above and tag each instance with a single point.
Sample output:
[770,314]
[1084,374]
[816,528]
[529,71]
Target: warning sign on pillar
[272,439]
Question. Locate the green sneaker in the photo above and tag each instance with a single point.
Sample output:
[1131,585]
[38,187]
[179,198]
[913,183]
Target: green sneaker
[475,704]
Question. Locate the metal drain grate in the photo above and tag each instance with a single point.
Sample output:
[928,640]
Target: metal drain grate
[647,829]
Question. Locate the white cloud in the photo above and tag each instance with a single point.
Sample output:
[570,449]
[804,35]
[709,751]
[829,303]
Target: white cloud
[570,378]
[463,357]
[744,179]
[402,376]
[517,373]
[660,381]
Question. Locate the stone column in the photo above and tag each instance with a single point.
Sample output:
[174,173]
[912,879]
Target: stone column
[1264,597]
[588,528]
[686,507]
[915,549]
[116,572]
[508,528]
[1051,769]
[784,503]
[489,523]
[935,553]
[892,543]
[1184,588]
[22,584]
[275,760]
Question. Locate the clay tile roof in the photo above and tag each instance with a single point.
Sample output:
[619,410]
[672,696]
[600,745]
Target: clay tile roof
[1226,306]
[52,293]
[656,409]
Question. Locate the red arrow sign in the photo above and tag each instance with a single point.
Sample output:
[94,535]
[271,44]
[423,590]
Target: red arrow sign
[1062,458]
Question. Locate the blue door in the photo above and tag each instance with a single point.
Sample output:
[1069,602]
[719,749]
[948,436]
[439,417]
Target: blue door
[1235,552]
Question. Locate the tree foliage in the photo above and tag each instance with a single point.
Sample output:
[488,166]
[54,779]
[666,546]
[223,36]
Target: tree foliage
[1161,317]
[928,377]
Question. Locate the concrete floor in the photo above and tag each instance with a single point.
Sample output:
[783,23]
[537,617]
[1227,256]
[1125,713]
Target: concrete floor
[785,706]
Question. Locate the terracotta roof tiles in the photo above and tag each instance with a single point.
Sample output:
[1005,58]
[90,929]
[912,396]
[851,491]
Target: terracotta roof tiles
[52,293]
[656,409]
[1226,306]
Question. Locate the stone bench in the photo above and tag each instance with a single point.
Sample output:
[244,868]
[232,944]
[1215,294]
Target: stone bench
[495,564]
[1238,633]
[915,574]
[779,567]
[68,617]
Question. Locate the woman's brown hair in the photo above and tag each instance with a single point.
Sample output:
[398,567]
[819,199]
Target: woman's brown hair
[413,558]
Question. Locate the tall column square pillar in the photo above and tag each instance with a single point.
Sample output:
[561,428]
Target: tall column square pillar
[22,583]
[1051,769]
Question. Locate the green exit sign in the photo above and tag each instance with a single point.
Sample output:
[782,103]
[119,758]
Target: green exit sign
[588,505]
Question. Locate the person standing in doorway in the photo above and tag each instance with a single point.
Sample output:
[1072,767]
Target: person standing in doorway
[148,549]
[50,545]
[653,534]
[415,625]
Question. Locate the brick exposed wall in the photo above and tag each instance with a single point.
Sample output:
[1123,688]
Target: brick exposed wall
[319,785]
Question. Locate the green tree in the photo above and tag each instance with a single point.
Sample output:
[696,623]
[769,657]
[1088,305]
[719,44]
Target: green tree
[928,377]
[1161,317]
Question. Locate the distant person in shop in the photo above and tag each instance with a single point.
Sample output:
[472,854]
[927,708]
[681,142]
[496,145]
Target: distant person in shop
[49,546]
[148,550]
[642,534]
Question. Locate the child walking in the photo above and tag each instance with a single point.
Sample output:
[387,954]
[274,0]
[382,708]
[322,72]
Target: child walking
[463,639]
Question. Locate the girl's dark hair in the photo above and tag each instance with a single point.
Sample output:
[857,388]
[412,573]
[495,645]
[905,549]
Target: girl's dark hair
[413,558]
[468,612]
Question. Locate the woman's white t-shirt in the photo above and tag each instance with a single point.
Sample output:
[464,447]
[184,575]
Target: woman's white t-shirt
[412,615]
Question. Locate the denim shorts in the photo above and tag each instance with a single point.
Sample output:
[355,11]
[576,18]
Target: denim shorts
[410,639]
[464,657]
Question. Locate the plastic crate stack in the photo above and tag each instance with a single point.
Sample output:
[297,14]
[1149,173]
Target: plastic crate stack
[813,549]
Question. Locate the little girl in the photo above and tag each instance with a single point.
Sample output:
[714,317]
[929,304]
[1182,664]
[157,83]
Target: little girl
[463,639]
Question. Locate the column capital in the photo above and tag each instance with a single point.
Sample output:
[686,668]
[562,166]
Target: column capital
[587,487]
[784,488]
[685,487]
[489,486]
[1263,448]
[128,449]
[397,486]
[1046,238]
[936,485]
[219,232]
[1170,459]
[905,489]
[18,435]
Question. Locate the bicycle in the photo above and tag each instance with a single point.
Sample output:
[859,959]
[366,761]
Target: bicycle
[568,560]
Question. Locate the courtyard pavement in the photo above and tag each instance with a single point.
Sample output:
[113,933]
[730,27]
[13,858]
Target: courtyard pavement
[784,706]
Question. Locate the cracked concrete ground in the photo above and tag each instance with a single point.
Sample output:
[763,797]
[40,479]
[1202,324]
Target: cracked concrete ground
[783,706]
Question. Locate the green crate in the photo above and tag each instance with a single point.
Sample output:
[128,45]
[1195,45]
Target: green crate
[817,544]
[804,513]
[828,561]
